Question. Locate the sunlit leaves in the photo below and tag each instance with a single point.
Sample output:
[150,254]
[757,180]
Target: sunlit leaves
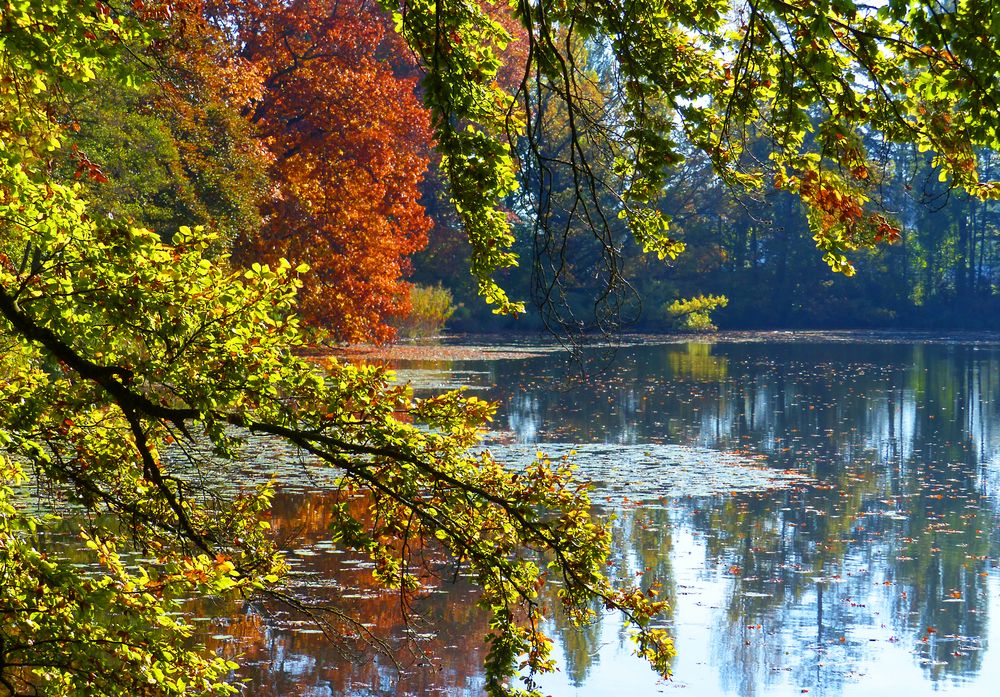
[469,111]
[131,361]
[813,78]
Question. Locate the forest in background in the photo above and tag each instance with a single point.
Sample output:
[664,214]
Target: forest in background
[315,147]
[757,249]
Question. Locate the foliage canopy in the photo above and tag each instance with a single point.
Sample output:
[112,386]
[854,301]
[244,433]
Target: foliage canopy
[334,107]
[814,79]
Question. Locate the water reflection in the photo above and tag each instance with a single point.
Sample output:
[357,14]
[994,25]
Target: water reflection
[891,554]
[282,652]
[877,572]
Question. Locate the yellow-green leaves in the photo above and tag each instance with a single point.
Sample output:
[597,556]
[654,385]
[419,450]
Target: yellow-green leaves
[817,80]
[471,115]
[650,229]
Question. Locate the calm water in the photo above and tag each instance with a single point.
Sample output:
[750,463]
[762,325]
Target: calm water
[824,517]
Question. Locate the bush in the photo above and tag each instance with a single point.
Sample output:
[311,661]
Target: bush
[693,315]
[430,308]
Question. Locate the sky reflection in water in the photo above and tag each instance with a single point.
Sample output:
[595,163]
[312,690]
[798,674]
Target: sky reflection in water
[876,574]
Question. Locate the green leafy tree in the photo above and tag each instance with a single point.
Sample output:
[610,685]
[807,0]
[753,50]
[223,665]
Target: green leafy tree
[173,150]
[693,314]
[144,160]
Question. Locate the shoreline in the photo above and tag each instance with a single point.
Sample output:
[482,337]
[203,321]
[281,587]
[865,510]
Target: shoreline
[485,347]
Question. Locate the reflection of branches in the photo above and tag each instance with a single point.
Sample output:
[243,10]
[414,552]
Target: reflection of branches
[321,613]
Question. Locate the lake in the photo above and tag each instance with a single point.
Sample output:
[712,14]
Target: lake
[821,509]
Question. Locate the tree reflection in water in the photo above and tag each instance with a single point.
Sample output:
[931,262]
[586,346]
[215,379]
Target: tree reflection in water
[892,545]
[876,572]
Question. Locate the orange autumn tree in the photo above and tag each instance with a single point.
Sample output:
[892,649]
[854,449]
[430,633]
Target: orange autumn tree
[349,143]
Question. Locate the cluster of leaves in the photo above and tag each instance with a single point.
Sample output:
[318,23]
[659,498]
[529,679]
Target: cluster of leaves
[816,80]
[118,345]
[174,151]
[469,112]
[694,313]
[115,633]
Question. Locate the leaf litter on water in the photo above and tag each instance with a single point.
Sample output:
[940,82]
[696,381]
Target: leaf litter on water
[648,472]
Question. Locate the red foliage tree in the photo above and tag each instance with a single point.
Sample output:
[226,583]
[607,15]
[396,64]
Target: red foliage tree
[349,142]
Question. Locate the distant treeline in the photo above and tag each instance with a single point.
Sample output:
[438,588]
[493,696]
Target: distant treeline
[756,249]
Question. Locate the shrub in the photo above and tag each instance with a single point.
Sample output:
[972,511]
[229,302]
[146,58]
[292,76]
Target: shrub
[430,308]
[692,315]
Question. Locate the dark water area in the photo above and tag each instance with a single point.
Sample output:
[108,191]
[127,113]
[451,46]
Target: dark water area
[823,517]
